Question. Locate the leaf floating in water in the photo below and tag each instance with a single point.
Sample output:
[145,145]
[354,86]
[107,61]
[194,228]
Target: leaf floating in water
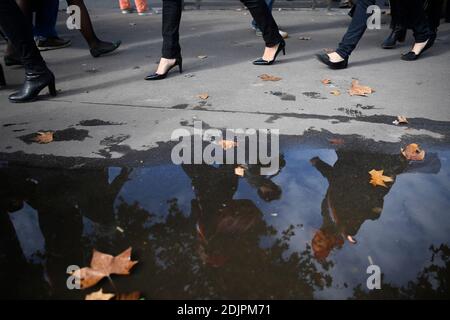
[358,90]
[268,77]
[99,295]
[239,171]
[378,179]
[400,120]
[413,152]
[103,265]
[44,137]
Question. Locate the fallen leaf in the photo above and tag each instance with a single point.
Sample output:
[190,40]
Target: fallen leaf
[268,77]
[99,295]
[227,144]
[203,96]
[325,81]
[304,38]
[358,90]
[103,265]
[336,141]
[400,120]
[413,152]
[335,92]
[44,137]
[378,179]
[239,171]
[202,57]
[135,295]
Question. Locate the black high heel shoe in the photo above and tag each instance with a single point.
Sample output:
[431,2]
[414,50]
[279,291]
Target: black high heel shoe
[262,62]
[157,76]
[397,35]
[325,58]
[104,48]
[411,56]
[34,83]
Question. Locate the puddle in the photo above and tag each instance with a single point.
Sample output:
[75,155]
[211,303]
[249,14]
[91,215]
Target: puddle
[98,122]
[313,95]
[202,232]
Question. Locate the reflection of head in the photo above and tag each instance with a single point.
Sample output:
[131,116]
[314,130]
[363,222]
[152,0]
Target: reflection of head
[323,242]
[220,237]
[269,191]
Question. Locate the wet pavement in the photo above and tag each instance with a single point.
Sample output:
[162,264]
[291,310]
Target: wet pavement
[202,232]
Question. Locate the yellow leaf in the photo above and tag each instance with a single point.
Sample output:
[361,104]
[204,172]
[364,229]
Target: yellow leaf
[203,96]
[227,144]
[378,179]
[358,90]
[99,295]
[335,92]
[268,77]
[44,137]
[239,171]
[413,152]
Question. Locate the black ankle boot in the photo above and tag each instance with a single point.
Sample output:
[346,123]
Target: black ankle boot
[104,48]
[35,81]
[398,34]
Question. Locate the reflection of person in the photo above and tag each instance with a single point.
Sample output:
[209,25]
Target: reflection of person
[351,199]
[221,220]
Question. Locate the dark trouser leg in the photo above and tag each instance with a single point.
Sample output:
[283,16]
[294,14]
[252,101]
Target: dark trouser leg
[18,29]
[356,28]
[46,16]
[264,20]
[87,30]
[434,12]
[171,28]
[417,19]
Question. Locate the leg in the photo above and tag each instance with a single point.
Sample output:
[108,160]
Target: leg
[19,31]
[97,47]
[45,26]
[171,49]
[356,29]
[398,26]
[265,21]
[141,6]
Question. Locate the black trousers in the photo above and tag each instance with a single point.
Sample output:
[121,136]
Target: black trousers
[172,16]
[19,31]
[412,10]
[433,11]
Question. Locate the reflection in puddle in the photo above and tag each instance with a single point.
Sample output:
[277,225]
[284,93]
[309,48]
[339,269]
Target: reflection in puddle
[201,231]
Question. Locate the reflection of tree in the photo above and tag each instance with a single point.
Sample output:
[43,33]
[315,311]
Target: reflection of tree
[433,282]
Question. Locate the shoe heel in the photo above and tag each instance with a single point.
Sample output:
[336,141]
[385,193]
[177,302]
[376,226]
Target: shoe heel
[2,77]
[52,89]
[180,66]
[284,51]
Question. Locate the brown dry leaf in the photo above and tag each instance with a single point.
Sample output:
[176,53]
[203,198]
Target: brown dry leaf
[135,295]
[400,120]
[99,295]
[203,96]
[336,141]
[239,171]
[268,77]
[227,144]
[44,137]
[335,92]
[325,81]
[359,90]
[413,152]
[103,265]
[378,179]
